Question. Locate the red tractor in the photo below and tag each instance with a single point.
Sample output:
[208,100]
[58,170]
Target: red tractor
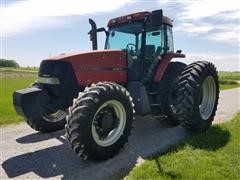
[97,93]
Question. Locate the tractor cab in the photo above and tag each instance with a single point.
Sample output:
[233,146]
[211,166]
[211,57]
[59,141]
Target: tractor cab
[145,36]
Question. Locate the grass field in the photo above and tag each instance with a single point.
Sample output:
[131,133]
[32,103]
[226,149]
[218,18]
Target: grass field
[21,69]
[229,86]
[229,80]
[211,155]
[229,76]
[13,79]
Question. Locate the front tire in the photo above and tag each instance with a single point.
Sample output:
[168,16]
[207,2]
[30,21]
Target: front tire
[197,96]
[49,123]
[100,121]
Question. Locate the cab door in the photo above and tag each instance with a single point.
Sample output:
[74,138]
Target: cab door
[154,49]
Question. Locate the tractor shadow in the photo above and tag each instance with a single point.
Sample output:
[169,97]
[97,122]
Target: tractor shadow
[38,137]
[148,137]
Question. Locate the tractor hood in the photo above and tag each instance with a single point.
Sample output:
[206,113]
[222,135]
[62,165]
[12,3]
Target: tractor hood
[90,67]
[96,54]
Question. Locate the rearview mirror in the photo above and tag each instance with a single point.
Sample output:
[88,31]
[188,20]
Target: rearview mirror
[156,18]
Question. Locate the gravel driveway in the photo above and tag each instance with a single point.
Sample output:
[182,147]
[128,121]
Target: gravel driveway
[28,154]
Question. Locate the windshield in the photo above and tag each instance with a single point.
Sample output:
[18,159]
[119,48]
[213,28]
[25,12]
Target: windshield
[125,37]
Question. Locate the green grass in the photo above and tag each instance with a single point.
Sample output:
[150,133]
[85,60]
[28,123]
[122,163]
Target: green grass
[10,81]
[223,75]
[228,86]
[214,154]
[21,69]
[229,80]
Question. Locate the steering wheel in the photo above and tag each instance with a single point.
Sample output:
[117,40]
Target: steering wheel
[131,48]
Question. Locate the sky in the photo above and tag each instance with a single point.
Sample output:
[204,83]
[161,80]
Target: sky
[32,30]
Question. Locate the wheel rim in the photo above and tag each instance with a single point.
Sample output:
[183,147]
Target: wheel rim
[107,137]
[207,97]
[55,117]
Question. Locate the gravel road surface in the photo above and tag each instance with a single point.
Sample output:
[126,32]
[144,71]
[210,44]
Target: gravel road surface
[28,154]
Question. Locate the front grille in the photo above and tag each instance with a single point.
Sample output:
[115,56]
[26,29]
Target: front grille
[63,71]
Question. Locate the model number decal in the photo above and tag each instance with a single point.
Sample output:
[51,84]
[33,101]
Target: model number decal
[87,68]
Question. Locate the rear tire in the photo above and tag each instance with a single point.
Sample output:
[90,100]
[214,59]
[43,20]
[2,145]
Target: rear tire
[100,121]
[197,96]
[168,91]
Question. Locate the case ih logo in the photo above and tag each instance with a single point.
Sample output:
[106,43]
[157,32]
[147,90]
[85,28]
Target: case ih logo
[92,68]
[84,68]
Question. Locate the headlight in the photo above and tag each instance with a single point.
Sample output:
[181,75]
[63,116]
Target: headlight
[48,80]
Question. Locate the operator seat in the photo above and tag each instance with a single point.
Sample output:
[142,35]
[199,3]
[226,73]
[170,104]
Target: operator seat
[149,71]
[149,53]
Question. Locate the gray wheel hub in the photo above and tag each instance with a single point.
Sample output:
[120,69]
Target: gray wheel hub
[109,123]
[207,97]
[55,117]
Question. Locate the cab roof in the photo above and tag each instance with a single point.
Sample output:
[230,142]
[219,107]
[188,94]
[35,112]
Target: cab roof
[139,16]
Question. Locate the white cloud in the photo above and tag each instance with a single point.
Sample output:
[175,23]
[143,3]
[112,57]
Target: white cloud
[207,8]
[23,16]
[228,33]
[227,36]
[192,28]
[223,62]
[208,18]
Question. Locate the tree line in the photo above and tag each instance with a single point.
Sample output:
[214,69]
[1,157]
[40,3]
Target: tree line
[8,63]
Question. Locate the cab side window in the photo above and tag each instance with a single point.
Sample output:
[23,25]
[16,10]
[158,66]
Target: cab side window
[154,43]
[169,43]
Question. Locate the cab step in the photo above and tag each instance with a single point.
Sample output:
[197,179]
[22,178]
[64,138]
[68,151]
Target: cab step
[153,93]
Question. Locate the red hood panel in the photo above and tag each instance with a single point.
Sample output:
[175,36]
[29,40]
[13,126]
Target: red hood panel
[85,53]
[95,66]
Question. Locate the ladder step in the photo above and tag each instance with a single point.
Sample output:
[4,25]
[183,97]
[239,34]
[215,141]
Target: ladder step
[152,93]
[160,116]
[155,104]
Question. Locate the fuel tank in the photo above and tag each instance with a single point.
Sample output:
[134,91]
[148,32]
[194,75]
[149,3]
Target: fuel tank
[93,66]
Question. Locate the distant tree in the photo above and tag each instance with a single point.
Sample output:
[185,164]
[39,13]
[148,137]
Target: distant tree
[8,63]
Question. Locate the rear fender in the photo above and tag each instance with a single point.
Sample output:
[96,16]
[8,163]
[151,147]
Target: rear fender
[163,64]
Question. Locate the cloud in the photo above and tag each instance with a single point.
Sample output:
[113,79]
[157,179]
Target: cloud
[213,31]
[223,61]
[207,8]
[192,28]
[23,16]
[226,36]
[213,20]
